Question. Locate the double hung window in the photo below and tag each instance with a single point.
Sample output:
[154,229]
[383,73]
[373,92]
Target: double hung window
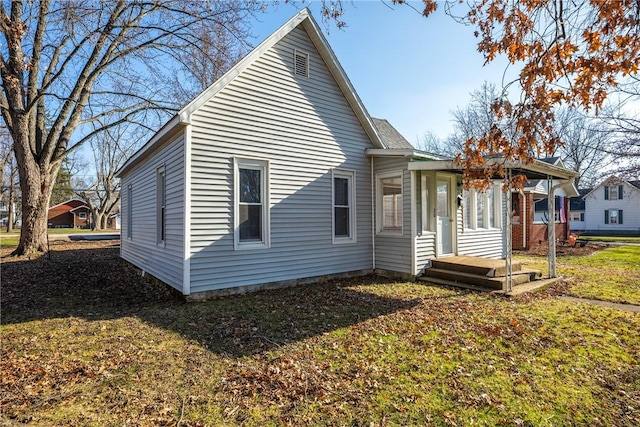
[251,204]
[343,206]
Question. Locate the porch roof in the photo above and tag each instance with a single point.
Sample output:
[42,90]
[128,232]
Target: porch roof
[537,169]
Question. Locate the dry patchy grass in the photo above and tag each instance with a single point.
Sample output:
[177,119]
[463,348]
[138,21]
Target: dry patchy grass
[601,272]
[87,342]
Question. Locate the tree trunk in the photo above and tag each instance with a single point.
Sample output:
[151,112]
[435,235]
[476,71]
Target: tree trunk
[103,222]
[36,183]
[97,220]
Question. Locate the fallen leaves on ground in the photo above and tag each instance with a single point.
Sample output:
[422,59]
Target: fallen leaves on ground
[87,341]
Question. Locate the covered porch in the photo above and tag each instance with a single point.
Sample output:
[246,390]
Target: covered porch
[502,274]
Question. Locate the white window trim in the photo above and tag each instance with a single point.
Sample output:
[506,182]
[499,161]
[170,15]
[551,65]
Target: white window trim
[617,216]
[297,52]
[613,189]
[424,205]
[161,223]
[265,243]
[351,176]
[80,215]
[379,204]
[130,212]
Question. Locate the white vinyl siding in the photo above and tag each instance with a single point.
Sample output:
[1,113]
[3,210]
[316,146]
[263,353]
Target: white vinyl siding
[393,250]
[304,128]
[166,261]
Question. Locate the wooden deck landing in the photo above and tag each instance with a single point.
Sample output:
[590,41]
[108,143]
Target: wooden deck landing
[476,265]
[475,272]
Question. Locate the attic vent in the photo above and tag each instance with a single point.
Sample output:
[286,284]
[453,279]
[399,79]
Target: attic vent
[301,64]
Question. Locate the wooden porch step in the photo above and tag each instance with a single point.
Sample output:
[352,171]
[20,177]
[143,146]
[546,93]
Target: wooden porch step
[475,265]
[457,276]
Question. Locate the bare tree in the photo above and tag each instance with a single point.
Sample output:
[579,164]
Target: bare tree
[430,143]
[110,150]
[622,120]
[67,65]
[585,142]
[9,173]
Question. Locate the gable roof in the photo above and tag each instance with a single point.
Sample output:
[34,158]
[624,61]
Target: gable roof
[578,203]
[614,180]
[69,204]
[302,18]
[390,135]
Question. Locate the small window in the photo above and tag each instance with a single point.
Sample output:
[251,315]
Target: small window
[390,217]
[613,216]
[161,202]
[343,206]
[301,64]
[424,202]
[129,211]
[82,215]
[613,192]
[251,204]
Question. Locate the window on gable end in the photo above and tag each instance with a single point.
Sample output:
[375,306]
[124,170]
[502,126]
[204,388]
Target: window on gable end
[301,63]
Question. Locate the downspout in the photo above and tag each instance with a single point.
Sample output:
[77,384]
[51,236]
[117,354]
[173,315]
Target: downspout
[373,218]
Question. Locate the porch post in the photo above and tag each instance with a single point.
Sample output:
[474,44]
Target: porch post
[551,228]
[508,284]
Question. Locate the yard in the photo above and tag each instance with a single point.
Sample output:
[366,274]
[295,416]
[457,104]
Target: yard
[86,341]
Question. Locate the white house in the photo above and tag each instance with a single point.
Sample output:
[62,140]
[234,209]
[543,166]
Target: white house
[613,208]
[276,174]
[578,212]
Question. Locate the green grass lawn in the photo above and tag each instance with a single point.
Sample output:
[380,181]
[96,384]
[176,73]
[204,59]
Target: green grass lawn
[102,347]
[625,239]
[611,275]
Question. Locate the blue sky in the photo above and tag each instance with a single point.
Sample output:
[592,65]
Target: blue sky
[410,70]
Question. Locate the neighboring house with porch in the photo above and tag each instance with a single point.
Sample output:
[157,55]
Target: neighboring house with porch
[277,175]
[69,214]
[613,208]
[530,210]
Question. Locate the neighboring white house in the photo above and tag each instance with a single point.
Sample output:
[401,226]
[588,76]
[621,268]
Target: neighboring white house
[276,174]
[613,207]
[578,212]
